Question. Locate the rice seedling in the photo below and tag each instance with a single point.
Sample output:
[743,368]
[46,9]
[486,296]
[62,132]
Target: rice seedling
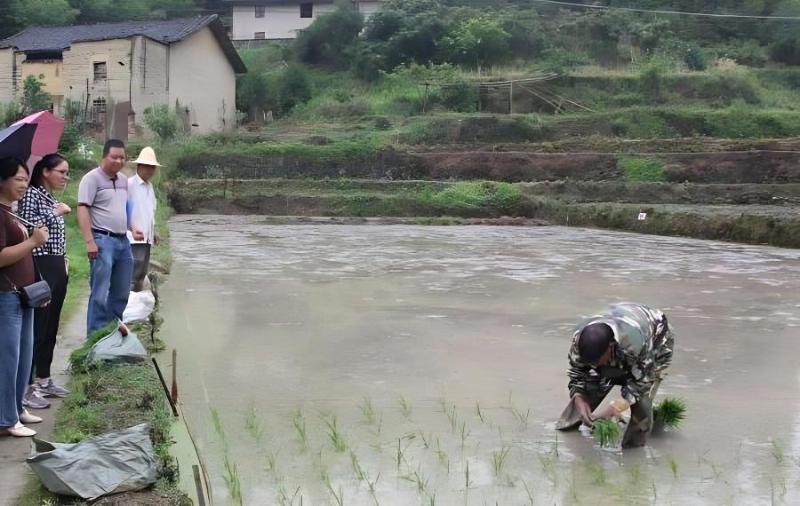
[597,472]
[606,433]
[777,451]
[464,432]
[378,427]
[284,499]
[467,481]
[479,412]
[442,456]
[218,428]
[670,412]
[357,469]
[655,491]
[400,453]
[371,484]
[673,466]
[425,440]
[635,474]
[405,407]
[299,424]
[452,417]
[499,459]
[432,499]
[272,464]
[252,424]
[522,418]
[232,480]
[334,436]
[417,479]
[528,492]
[339,498]
[368,411]
[573,486]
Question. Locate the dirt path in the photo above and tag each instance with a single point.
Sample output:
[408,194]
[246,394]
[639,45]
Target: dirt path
[13,451]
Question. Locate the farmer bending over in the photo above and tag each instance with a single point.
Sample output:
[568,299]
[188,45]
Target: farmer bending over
[631,345]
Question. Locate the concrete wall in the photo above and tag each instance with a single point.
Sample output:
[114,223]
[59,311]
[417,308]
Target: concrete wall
[150,76]
[6,75]
[279,21]
[201,79]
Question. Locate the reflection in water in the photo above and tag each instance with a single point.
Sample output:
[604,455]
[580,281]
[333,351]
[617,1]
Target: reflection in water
[455,340]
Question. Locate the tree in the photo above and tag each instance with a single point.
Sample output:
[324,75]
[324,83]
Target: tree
[252,94]
[41,12]
[479,41]
[327,39]
[34,98]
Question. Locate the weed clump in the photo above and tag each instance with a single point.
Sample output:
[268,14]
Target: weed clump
[670,412]
[605,433]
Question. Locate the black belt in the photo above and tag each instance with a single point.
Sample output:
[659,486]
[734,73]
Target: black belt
[110,234]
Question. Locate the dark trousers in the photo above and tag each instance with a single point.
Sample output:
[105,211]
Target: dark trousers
[46,319]
[141,264]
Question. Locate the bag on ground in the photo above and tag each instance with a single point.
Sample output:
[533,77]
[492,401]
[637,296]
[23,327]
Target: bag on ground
[116,348]
[101,465]
[140,305]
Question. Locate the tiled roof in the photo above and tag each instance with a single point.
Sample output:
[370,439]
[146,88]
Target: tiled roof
[167,31]
[57,38]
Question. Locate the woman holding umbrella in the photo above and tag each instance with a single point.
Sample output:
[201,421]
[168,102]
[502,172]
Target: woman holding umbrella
[39,206]
[16,321]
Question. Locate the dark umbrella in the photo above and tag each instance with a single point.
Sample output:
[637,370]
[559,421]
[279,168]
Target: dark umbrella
[17,140]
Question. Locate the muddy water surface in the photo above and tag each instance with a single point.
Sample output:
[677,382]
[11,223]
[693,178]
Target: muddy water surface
[440,354]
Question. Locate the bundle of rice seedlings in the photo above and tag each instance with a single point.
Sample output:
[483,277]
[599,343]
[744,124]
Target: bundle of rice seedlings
[670,412]
[605,433]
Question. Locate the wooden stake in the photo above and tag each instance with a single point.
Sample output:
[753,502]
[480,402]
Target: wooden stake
[174,391]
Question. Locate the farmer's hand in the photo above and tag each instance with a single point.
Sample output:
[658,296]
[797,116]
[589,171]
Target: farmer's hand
[137,234]
[61,209]
[91,249]
[582,405]
[39,236]
[156,239]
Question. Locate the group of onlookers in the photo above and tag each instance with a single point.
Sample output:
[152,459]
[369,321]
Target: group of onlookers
[116,216]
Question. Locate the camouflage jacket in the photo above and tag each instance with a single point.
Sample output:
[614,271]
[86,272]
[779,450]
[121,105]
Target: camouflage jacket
[645,350]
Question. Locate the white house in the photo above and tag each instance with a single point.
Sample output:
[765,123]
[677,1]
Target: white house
[282,19]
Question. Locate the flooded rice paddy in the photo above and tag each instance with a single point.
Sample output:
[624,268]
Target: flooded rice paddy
[401,365]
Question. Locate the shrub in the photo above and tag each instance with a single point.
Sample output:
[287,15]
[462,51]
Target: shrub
[460,97]
[10,112]
[695,58]
[34,98]
[161,121]
[561,61]
[641,169]
[293,88]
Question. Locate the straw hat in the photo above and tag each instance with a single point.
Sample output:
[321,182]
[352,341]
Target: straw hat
[147,157]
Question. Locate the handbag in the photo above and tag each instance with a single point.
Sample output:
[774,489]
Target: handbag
[35,295]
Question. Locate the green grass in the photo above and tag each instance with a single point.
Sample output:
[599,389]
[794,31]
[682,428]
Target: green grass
[642,169]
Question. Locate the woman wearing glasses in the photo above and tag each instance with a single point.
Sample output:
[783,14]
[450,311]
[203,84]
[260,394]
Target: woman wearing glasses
[40,206]
[16,320]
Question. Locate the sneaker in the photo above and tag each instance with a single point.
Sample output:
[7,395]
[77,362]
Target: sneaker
[20,430]
[28,418]
[34,400]
[50,389]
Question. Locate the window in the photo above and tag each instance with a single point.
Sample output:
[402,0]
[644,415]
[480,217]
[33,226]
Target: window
[307,10]
[99,110]
[100,71]
[260,11]
[260,35]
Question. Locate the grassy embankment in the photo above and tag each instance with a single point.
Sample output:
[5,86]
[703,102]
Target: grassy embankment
[106,399]
[353,149]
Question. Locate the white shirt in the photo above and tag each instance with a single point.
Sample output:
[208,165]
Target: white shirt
[142,199]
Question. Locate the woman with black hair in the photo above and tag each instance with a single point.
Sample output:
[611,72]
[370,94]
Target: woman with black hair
[40,206]
[16,321]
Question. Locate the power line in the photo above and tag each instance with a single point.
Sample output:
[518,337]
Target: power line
[668,12]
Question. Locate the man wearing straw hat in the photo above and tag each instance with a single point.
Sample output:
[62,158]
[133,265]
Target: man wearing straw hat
[142,199]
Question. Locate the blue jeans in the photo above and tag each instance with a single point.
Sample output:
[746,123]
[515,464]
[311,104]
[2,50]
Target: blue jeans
[110,281]
[16,353]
